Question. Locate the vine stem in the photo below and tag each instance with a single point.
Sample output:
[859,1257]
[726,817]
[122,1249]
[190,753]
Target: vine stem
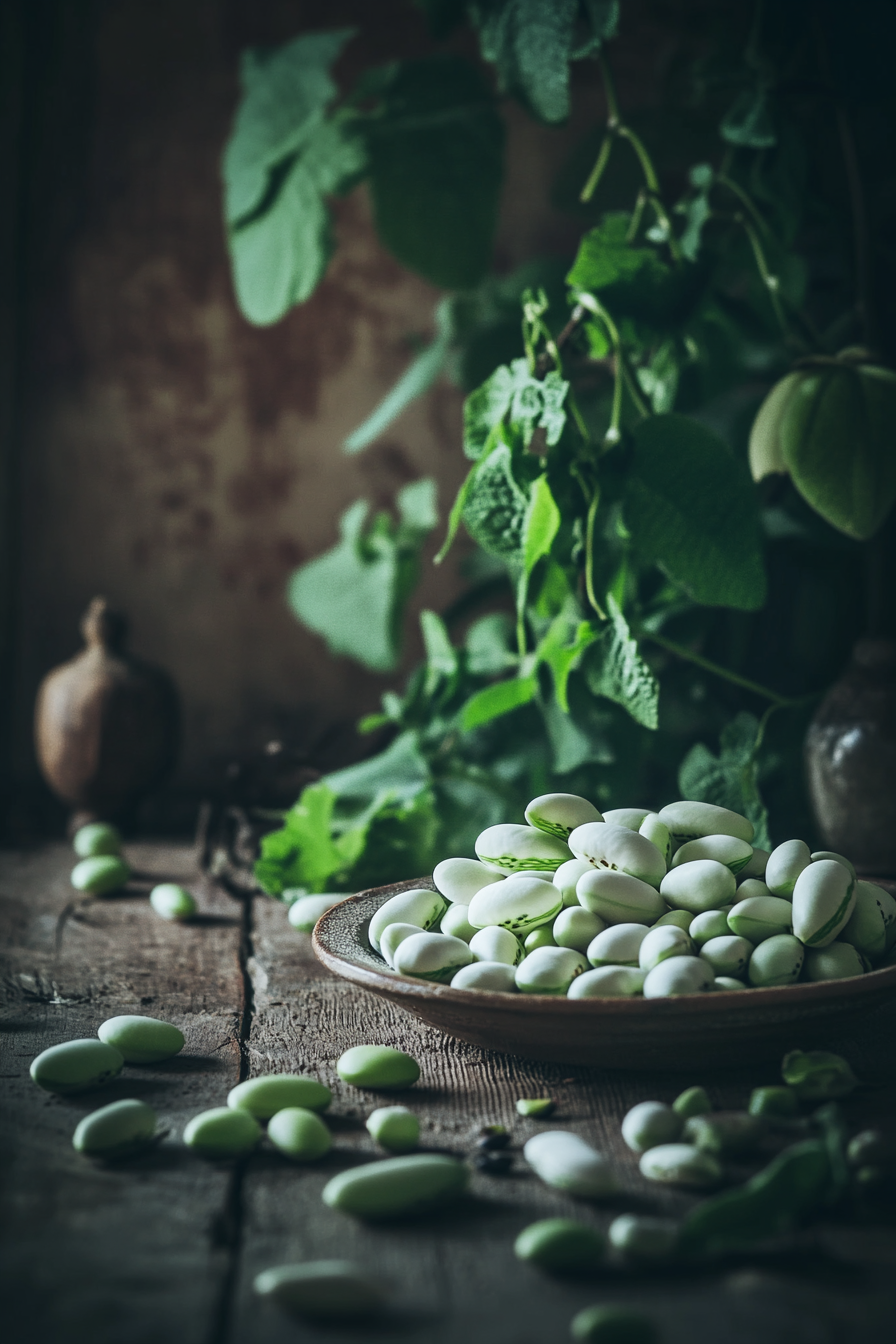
[778,701]
[589,555]
[770,281]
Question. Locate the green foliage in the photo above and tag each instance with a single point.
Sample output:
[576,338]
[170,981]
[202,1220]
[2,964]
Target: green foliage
[617,670]
[355,594]
[690,507]
[436,154]
[730,779]
[495,506]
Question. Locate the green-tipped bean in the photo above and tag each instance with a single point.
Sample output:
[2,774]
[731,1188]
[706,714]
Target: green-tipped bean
[269,1093]
[117,1130]
[394,1127]
[379,1067]
[299,1134]
[649,1124]
[560,1246]
[693,1101]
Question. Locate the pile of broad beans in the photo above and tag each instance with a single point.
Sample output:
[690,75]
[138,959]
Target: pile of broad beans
[634,902]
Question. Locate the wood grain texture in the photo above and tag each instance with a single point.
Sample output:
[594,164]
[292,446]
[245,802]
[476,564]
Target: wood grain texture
[165,1248]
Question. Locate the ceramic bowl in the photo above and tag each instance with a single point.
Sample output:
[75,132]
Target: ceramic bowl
[676,1033]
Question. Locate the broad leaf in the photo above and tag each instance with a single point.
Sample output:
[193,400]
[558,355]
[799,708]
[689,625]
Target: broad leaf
[691,508]
[302,853]
[284,94]
[540,527]
[561,649]
[488,645]
[748,123]
[417,378]
[441,656]
[616,670]
[485,408]
[530,402]
[436,163]
[531,43]
[494,510]
[354,595]
[605,257]
[731,778]
[496,700]
[395,775]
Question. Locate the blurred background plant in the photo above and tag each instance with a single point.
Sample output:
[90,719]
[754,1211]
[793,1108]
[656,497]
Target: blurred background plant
[641,621]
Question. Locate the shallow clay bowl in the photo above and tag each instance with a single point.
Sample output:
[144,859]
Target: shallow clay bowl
[690,1030]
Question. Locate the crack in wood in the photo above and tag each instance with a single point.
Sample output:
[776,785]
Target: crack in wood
[227,1230]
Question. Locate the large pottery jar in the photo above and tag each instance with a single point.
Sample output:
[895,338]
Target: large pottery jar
[106,723]
[851,760]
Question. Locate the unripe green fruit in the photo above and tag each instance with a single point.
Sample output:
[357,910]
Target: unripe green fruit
[97,837]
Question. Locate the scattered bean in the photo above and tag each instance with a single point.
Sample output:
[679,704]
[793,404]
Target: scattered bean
[649,1124]
[322,1290]
[304,913]
[141,1040]
[100,875]
[693,1101]
[560,1246]
[817,1075]
[396,1186]
[380,1067]
[725,1132]
[680,1164]
[117,1130]
[780,1103]
[612,1325]
[394,1127]
[299,1134]
[567,1162]
[269,1093]
[222,1132]
[643,1238]
[97,837]
[174,902]
[75,1066]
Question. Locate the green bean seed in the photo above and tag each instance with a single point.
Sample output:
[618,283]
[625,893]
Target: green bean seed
[620,898]
[725,1132]
[520,904]
[776,961]
[567,1162]
[643,1238]
[693,1101]
[620,945]
[514,849]
[612,1325]
[394,934]
[269,1093]
[727,982]
[543,936]
[838,858]
[577,927]
[560,1245]
[608,982]
[702,884]
[322,1290]
[616,848]
[304,913]
[870,926]
[97,837]
[432,956]
[755,869]
[75,1066]
[785,863]
[454,923]
[759,917]
[566,877]
[631,817]
[394,1127]
[728,955]
[174,902]
[662,943]
[680,919]
[142,1040]
[681,1164]
[118,1130]
[496,944]
[379,1067]
[824,896]
[779,1103]
[460,879]
[837,961]
[299,1134]
[538,1108]
[657,832]
[725,849]
[649,1124]
[710,924]
[691,821]
[417,906]
[222,1132]
[678,975]
[549,970]
[817,1075]
[491,976]
[100,875]
[560,813]
[396,1186]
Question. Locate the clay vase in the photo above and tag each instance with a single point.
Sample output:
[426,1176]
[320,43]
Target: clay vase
[107,725]
[851,760]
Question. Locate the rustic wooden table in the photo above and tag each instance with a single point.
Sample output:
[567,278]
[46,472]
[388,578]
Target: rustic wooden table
[163,1249]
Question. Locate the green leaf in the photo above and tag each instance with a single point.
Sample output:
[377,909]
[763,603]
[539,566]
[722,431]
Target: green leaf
[659,377]
[441,656]
[395,775]
[691,508]
[616,670]
[485,408]
[436,162]
[605,257]
[562,657]
[354,595]
[540,527]
[730,779]
[531,44]
[417,378]
[530,403]
[488,645]
[302,853]
[284,94]
[748,122]
[496,700]
[495,507]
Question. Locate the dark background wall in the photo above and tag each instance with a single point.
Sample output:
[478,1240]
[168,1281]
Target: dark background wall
[157,448]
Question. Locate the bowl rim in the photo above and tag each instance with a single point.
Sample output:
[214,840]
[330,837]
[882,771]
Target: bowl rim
[403,986]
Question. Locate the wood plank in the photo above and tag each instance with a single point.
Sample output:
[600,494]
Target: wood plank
[142,1250]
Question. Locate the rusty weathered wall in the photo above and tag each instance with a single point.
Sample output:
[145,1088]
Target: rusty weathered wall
[174,458]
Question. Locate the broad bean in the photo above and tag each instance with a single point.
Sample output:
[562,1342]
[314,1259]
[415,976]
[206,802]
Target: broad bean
[785,863]
[678,975]
[549,970]
[460,879]
[222,1132]
[681,919]
[680,1164]
[632,818]
[725,1132]
[454,922]
[304,913]
[490,976]
[496,944]
[117,1130]
[560,1245]
[567,1162]
[872,924]
[702,884]
[617,849]
[657,832]
[838,858]
[725,849]
[394,1127]
[643,1238]
[662,943]
[692,1101]
[322,1290]
[837,961]
[692,821]
[174,902]
[728,955]
[100,875]
[779,1103]
[394,934]
[619,898]
[577,928]
[651,1123]
[824,896]
[141,1040]
[710,924]
[380,1067]
[510,848]
[612,1325]
[620,945]
[776,961]
[543,936]
[269,1093]
[75,1066]
[759,917]
[299,1134]
[520,905]
[607,982]
[560,813]
[97,837]
[817,1075]
[566,877]
[419,906]
[432,956]
[396,1186]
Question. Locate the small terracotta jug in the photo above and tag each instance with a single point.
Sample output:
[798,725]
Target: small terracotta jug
[851,760]
[107,725]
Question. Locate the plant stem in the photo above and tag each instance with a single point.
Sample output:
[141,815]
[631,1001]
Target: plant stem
[859,225]
[770,281]
[597,171]
[589,554]
[778,701]
[744,199]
